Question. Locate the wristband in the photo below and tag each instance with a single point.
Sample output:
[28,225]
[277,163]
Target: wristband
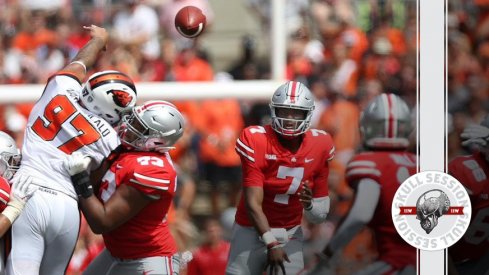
[268,238]
[81,182]
[13,209]
[273,245]
[80,63]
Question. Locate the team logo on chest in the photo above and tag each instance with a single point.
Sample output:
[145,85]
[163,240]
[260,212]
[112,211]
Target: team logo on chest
[431,210]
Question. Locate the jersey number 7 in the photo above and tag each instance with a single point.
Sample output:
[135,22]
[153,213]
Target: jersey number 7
[58,111]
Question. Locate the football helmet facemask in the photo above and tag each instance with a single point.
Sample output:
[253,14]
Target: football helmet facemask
[9,156]
[154,126]
[386,123]
[109,94]
[292,95]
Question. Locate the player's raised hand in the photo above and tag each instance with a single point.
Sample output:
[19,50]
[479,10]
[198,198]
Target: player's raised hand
[98,32]
[22,189]
[305,195]
[76,163]
[275,260]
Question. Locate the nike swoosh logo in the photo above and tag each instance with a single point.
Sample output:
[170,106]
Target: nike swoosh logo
[308,160]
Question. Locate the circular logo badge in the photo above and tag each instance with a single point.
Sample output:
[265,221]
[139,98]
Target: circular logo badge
[431,210]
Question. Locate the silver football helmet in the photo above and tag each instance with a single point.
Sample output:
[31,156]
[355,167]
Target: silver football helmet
[153,126]
[9,156]
[109,94]
[386,123]
[292,95]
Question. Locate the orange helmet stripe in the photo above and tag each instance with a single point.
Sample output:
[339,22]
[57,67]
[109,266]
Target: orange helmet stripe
[111,76]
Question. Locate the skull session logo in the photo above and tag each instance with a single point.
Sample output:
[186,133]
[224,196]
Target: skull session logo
[431,210]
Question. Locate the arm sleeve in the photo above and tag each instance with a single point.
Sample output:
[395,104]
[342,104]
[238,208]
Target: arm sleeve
[319,211]
[320,187]
[4,193]
[252,174]
[149,180]
[362,211]
[63,83]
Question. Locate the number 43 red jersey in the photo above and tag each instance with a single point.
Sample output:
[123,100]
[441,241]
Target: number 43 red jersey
[267,164]
[146,234]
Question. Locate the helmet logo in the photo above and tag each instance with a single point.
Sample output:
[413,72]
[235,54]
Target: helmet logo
[121,98]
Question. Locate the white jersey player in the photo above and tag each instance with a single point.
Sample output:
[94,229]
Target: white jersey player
[67,118]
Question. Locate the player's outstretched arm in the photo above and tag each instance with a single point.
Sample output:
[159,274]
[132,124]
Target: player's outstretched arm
[22,190]
[366,200]
[124,204]
[87,56]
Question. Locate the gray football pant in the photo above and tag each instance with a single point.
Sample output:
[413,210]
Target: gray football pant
[44,235]
[248,254]
[105,264]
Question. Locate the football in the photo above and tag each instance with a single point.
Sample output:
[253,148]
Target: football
[190,21]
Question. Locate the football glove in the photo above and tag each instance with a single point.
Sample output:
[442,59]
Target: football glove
[77,164]
[22,190]
[475,134]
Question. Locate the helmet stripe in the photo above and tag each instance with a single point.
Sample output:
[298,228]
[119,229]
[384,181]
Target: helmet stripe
[391,118]
[164,103]
[112,76]
[293,91]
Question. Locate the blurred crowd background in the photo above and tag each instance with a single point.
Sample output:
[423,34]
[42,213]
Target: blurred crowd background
[345,51]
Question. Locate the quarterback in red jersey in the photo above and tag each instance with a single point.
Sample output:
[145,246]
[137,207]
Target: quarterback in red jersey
[285,173]
[135,194]
[470,255]
[375,176]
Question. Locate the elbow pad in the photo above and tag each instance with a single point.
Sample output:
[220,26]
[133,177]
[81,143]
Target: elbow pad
[319,211]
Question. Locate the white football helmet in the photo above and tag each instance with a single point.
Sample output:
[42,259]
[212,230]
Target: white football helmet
[154,126]
[109,94]
[9,156]
[386,123]
[292,95]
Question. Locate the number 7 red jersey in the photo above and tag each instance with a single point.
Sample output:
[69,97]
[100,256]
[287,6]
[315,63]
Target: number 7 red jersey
[267,164]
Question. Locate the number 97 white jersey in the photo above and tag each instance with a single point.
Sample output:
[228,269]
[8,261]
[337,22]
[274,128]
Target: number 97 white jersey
[59,126]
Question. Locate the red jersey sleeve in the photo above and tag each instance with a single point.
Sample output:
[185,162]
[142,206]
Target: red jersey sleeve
[362,167]
[320,187]
[150,179]
[250,156]
[4,193]
[330,147]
